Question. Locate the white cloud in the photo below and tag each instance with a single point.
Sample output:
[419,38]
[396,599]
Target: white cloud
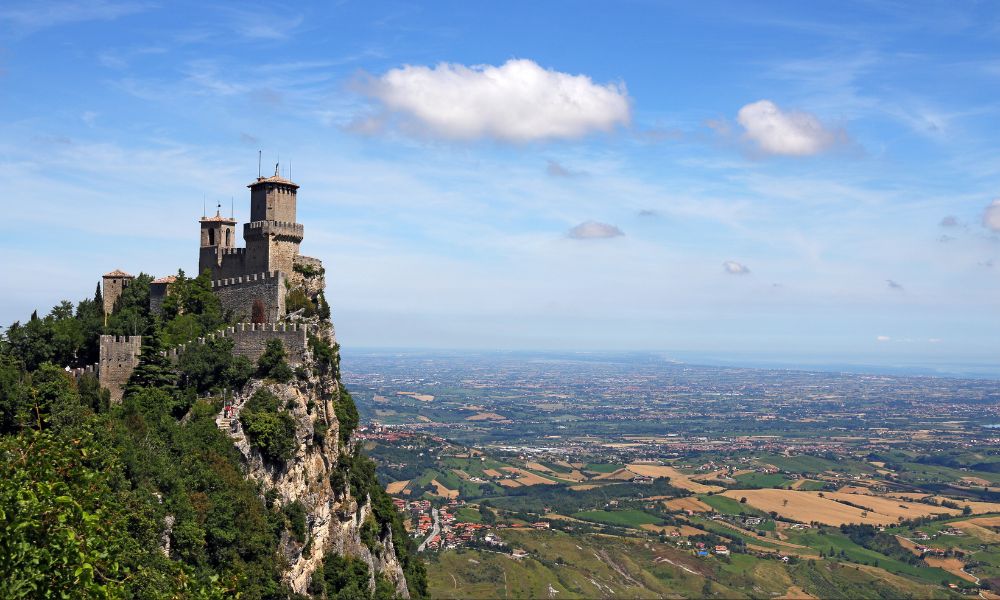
[991,216]
[518,101]
[592,230]
[882,338]
[734,268]
[789,133]
[29,17]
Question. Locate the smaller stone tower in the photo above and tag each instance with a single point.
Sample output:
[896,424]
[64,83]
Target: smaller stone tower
[115,283]
[218,237]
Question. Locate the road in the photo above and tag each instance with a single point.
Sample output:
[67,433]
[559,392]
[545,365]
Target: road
[435,529]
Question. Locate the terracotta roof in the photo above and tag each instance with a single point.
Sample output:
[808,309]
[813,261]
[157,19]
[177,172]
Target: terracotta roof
[167,279]
[217,218]
[276,178]
[118,273]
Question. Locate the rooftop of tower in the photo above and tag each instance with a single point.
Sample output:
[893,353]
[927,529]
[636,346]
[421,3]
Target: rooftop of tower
[218,218]
[276,178]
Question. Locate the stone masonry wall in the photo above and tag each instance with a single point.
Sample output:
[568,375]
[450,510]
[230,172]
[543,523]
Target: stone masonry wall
[119,357]
[239,293]
[250,339]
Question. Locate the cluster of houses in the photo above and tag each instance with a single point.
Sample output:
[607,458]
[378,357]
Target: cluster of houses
[701,549]
[452,533]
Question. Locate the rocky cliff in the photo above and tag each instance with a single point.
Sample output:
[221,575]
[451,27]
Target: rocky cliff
[317,474]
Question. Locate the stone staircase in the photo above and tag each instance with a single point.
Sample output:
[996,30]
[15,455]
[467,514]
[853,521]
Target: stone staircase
[225,423]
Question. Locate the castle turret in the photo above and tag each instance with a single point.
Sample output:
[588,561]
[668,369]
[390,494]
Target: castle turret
[218,236]
[272,235]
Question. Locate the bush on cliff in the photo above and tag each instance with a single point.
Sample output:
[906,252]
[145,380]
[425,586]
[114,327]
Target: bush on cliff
[272,364]
[270,430]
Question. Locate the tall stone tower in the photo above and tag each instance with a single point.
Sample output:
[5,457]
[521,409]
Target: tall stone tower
[272,235]
[114,283]
[218,238]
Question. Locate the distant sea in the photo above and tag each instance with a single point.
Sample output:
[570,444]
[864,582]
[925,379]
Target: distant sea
[910,367]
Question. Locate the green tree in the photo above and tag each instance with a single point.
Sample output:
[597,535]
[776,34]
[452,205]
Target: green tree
[154,369]
[272,364]
[270,430]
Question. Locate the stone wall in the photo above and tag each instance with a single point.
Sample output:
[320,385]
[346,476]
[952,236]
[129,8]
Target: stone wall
[223,263]
[238,294]
[250,339]
[119,357]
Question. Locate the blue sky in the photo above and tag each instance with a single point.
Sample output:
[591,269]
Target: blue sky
[789,179]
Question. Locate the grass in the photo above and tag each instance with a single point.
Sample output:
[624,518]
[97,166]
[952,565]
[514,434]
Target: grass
[729,506]
[761,480]
[468,515]
[859,554]
[602,468]
[622,518]
[811,485]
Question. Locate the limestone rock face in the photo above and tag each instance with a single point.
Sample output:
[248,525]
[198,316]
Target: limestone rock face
[334,518]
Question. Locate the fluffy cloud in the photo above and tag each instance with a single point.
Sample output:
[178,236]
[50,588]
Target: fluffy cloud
[882,338]
[991,216]
[734,268]
[788,133]
[592,230]
[518,101]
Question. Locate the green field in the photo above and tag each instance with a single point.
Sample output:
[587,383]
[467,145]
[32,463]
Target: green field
[811,485]
[602,468]
[831,540]
[600,566]
[622,518]
[729,506]
[761,480]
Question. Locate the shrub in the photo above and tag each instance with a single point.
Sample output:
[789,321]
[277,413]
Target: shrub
[269,430]
[272,363]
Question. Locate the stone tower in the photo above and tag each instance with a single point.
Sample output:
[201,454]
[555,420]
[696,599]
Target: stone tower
[114,283]
[218,238]
[272,235]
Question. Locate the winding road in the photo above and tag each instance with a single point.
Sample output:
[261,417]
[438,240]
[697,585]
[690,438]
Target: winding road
[435,529]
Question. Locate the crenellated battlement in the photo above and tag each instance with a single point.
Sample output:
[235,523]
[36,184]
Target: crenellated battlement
[250,339]
[232,251]
[274,224]
[254,279]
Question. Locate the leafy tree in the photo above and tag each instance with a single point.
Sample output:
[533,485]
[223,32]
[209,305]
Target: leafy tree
[272,363]
[347,415]
[131,314]
[154,369]
[270,430]
[212,366]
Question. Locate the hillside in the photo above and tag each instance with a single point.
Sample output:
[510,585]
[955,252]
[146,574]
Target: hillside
[215,476]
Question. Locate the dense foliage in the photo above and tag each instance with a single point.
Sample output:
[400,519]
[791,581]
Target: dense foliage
[147,498]
[269,429]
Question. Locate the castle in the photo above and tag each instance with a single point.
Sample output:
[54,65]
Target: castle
[251,283]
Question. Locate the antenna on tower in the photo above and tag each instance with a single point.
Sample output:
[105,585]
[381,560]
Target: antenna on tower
[232,207]
[203,210]
[258,164]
